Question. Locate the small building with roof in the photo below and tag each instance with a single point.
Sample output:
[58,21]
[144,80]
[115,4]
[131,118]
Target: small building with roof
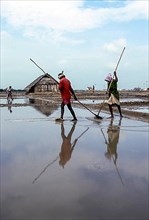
[44,83]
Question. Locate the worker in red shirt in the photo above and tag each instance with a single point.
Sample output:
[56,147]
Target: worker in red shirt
[66,92]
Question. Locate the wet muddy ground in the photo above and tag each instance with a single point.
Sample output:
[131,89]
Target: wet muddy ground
[84,170]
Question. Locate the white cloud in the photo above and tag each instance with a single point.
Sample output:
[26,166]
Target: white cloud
[63,61]
[5,35]
[57,15]
[51,17]
[51,31]
[115,45]
[136,10]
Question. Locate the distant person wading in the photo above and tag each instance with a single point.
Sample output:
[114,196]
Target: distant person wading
[66,92]
[9,93]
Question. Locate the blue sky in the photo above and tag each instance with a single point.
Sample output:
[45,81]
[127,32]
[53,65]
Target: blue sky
[83,38]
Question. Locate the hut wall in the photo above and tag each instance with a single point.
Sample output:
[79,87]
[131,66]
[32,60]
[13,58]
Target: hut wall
[46,84]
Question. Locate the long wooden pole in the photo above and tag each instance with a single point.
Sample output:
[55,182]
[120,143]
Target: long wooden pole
[37,65]
[111,80]
[119,59]
[97,116]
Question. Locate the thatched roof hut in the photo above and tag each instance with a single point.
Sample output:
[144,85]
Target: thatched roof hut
[44,83]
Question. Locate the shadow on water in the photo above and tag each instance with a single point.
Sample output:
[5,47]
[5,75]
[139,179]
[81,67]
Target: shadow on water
[105,173]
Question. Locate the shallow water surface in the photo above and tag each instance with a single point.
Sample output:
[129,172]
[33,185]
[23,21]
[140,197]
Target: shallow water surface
[97,101]
[15,100]
[83,170]
[144,109]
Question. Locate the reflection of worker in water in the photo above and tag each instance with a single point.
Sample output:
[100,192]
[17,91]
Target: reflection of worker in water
[10,105]
[113,139]
[67,147]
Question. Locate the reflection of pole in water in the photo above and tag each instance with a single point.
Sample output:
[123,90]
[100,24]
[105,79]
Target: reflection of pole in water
[106,142]
[56,159]
[45,168]
[80,135]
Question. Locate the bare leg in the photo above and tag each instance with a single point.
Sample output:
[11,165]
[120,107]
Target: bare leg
[119,109]
[62,109]
[72,111]
[111,111]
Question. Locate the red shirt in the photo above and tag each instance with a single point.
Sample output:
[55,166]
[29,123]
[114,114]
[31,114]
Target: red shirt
[65,89]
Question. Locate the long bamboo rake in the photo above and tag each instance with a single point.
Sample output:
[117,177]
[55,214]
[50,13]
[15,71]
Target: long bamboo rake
[111,80]
[96,115]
